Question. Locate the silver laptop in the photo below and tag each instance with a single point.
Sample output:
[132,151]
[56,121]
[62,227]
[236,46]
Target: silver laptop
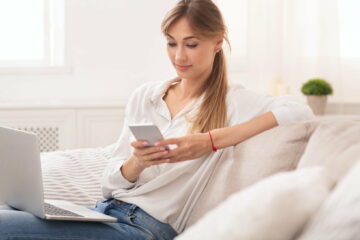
[21,184]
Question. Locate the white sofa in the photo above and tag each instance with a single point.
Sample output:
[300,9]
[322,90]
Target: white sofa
[304,203]
[267,187]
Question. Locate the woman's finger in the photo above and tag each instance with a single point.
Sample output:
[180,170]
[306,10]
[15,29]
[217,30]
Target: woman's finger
[155,156]
[149,150]
[158,161]
[139,144]
[172,153]
[168,141]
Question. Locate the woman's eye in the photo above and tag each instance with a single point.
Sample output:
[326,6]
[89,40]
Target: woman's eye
[172,44]
[191,45]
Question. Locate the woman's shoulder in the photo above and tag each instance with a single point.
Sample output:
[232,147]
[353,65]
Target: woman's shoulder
[236,90]
[147,89]
[234,87]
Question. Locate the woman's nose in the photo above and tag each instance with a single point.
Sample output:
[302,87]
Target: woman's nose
[180,55]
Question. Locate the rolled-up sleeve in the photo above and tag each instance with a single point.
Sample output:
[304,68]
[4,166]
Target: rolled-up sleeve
[289,109]
[286,108]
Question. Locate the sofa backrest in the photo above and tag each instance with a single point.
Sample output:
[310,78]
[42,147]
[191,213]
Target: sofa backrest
[335,144]
[275,150]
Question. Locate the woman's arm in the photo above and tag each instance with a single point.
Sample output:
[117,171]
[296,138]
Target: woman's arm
[268,112]
[197,145]
[229,136]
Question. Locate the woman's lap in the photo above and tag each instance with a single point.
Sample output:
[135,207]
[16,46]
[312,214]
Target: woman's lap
[133,223]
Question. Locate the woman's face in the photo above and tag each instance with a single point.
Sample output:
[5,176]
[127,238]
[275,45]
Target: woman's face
[191,55]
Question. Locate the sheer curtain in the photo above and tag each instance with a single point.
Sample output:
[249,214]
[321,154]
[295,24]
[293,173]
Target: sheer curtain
[289,42]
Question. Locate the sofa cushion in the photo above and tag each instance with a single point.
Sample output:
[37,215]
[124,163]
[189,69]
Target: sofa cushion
[339,216]
[269,152]
[273,209]
[334,145]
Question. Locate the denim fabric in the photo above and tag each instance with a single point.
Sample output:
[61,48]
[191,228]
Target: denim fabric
[133,223]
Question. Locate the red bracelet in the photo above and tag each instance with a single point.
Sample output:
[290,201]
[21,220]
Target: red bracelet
[212,143]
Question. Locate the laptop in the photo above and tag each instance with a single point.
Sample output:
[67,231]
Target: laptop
[21,184]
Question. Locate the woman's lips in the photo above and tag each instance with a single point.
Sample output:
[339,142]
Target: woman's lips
[182,67]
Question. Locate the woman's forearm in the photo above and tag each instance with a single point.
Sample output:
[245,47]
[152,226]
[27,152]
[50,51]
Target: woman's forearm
[229,136]
[130,170]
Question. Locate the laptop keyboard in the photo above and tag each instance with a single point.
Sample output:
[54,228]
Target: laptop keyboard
[53,210]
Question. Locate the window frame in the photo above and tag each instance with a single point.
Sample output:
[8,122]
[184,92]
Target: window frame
[54,45]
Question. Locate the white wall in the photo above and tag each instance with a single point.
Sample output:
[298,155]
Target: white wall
[113,46]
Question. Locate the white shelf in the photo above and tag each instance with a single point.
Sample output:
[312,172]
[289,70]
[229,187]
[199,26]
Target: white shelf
[339,116]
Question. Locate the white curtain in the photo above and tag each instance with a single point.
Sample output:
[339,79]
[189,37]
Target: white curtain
[289,41]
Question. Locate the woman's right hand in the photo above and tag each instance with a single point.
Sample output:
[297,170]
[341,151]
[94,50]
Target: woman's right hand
[145,156]
[141,158]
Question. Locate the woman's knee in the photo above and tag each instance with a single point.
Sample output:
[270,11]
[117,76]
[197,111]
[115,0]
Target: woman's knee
[6,207]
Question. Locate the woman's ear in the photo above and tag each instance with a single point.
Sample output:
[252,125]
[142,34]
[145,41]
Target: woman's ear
[218,45]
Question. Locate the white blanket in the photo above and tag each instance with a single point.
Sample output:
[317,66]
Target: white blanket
[75,175]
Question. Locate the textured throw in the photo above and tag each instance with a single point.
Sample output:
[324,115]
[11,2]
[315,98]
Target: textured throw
[75,175]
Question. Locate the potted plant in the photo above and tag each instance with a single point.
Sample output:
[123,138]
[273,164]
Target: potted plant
[316,91]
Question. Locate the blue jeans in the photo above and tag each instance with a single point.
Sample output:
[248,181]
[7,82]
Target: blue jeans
[133,223]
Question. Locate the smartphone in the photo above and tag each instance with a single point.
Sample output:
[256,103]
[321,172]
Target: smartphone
[147,131]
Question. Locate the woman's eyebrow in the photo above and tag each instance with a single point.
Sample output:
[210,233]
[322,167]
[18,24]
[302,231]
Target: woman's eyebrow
[185,38]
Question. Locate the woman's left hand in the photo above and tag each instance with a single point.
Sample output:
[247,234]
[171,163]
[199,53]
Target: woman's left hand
[188,147]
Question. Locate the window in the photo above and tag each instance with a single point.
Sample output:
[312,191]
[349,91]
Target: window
[349,30]
[32,33]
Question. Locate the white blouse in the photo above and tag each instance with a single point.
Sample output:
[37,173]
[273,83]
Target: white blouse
[169,191]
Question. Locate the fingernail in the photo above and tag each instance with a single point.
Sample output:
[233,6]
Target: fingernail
[145,143]
[157,144]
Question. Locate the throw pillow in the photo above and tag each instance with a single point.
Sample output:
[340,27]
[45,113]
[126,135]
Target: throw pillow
[339,216]
[273,209]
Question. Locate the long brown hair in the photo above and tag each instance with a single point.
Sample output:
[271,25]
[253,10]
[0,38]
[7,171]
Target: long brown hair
[206,20]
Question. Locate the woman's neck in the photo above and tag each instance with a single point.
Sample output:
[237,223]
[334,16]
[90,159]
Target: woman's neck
[188,89]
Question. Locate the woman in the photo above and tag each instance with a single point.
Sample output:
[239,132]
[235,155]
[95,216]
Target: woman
[152,189]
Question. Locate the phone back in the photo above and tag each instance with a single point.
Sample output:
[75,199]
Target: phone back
[149,132]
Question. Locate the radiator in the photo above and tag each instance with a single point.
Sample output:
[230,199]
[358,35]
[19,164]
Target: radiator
[48,136]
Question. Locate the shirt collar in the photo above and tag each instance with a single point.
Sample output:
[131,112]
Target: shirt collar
[160,90]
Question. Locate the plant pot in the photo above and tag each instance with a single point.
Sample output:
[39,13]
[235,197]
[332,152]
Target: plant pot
[317,104]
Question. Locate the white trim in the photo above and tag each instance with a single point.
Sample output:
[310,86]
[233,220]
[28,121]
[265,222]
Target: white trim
[57,32]
[47,18]
[36,70]
[100,103]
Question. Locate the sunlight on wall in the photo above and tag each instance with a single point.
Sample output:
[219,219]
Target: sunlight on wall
[22,30]
[350,34]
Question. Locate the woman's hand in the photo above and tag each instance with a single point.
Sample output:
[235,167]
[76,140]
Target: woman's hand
[145,156]
[141,158]
[189,147]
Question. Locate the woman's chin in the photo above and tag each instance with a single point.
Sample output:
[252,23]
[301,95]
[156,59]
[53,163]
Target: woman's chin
[183,74]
